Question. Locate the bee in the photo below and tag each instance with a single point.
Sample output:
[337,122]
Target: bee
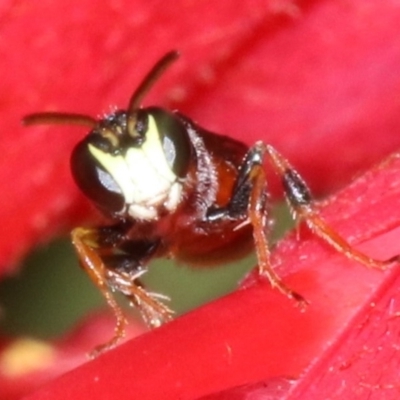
[172,189]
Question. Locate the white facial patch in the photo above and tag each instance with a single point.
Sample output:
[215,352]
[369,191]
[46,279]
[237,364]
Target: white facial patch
[143,176]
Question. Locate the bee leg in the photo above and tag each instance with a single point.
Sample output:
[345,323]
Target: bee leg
[124,276]
[85,242]
[253,175]
[300,201]
[249,204]
[92,251]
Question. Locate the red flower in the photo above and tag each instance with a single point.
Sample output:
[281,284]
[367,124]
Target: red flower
[319,80]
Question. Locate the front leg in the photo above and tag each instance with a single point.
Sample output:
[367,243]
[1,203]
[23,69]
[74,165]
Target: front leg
[249,204]
[114,264]
[302,206]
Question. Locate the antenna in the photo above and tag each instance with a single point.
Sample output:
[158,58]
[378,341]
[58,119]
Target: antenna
[52,118]
[149,80]
[60,118]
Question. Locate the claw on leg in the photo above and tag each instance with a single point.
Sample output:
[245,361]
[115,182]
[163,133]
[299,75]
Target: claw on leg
[259,221]
[300,201]
[86,243]
[302,207]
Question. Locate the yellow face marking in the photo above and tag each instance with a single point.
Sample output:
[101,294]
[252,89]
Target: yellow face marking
[143,175]
[153,149]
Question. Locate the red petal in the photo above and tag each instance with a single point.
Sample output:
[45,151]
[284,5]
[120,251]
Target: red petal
[319,80]
[256,335]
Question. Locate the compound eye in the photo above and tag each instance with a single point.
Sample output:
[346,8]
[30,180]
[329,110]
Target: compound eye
[175,141]
[94,181]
